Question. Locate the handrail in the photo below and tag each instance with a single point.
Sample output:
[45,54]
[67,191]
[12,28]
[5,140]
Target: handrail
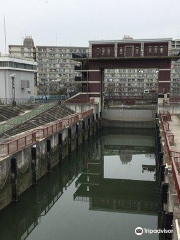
[17,144]
[176,232]
[38,133]
[173,155]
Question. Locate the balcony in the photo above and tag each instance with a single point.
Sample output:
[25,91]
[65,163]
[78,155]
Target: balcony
[80,55]
[77,68]
[78,79]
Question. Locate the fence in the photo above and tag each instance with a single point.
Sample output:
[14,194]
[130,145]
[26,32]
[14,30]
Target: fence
[174,156]
[17,144]
[87,113]
[176,232]
[80,100]
[39,133]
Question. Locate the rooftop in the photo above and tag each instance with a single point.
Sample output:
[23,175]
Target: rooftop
[132,40]
[10,58]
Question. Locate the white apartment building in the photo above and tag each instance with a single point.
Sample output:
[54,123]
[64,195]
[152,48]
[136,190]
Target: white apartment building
[16,78]
[27,50]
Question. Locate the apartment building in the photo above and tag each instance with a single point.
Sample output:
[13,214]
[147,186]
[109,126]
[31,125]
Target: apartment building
[175,70]
[130,82]
[27,50]
[55,63]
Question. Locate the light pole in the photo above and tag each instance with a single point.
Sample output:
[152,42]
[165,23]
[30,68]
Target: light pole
[13,89]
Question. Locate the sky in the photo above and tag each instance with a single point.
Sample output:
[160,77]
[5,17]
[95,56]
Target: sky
[75,22]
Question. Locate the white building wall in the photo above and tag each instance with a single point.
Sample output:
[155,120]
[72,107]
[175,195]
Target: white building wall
[6,92]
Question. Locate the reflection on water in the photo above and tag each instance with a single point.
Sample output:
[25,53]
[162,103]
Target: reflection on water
[104,191]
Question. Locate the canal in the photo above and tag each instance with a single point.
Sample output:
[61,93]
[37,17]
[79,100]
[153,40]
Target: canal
[105,190]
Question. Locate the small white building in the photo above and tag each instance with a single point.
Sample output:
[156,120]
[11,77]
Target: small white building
[16,78]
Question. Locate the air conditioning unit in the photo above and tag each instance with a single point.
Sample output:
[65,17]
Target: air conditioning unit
[25,84]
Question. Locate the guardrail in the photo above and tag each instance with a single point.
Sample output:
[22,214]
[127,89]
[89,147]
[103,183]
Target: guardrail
[176,232]
[80,100]
[174,156]
[17,144]
[87,113]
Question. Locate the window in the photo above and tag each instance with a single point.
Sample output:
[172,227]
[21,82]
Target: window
[155,49]
[161,49]
[137,50]
[120,50]
[97,51]
[150,49]
[108,51]
[103,51]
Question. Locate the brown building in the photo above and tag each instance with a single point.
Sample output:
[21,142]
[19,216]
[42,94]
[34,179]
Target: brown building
[127,67]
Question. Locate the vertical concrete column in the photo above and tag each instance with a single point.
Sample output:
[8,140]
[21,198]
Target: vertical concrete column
[83,131]
[49,155]
[77,135]
[14,179]
[34,165]
[60,146]
[69,141]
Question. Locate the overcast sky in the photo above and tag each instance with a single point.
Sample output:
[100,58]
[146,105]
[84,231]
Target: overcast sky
[75,22]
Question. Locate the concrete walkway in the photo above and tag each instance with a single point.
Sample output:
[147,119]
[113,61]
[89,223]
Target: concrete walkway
[174,127]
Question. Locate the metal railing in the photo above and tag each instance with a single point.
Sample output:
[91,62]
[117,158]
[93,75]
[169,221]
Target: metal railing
[85,114]
[78,78]
[176,232]
[76,67]
[174,156]
[80,55]
[17,144]
[80,100]
[21,142]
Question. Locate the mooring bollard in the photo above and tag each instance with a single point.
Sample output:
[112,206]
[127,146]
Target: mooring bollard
[60,146]
[49,155]
[14,179]
[77,135]
[69,141]
[83,131]
[89,127]
[34,165]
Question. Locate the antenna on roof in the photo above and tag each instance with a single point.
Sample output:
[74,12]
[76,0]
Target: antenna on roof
[5,45]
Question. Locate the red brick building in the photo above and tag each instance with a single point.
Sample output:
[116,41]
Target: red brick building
[147,61]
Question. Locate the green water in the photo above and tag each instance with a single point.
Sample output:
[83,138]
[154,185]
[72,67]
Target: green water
[103,191]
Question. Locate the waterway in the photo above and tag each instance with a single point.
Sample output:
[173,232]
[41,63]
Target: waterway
[105,190]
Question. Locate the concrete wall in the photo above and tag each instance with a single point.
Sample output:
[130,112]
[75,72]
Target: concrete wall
[6,92]
[83,107]
[44,161]
[129,117]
